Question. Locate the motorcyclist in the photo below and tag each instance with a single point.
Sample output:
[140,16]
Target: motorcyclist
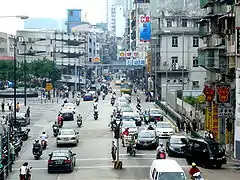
[114,112]
[44,137]
[24,171]
[193,170]
[125,132]
[79,117]
[160,147]
[150,127]
[37,147]
[114,93]
[132,143]
[95,111]
[65,101]
[95,105]
[60,119]
[138,106]
[138,99]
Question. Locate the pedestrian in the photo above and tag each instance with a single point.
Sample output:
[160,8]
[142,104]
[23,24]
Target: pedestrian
[178,124]
[3,106]
[17,107]
[194,125]
[12,152]
[113,151]
[188,127]
[28,112]
[10,105]
[183,125]
[73,93]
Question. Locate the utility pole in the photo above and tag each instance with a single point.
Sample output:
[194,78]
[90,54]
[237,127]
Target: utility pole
[118,163]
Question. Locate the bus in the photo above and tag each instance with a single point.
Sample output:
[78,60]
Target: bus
[126,88]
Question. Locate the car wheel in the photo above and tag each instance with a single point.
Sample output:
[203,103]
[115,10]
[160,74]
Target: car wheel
[57,145]
[218,166]
[49,172]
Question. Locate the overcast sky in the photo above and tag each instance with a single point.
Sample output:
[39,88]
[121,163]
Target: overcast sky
[47,9]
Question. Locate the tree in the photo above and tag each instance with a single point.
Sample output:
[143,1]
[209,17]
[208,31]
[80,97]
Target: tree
[6,70]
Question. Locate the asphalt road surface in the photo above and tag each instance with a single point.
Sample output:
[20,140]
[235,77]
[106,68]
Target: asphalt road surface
[93,151]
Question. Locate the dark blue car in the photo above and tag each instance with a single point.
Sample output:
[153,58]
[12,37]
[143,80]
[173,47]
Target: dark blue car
[87,97]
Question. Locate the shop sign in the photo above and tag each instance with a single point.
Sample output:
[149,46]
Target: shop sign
[223,93]
[209,93]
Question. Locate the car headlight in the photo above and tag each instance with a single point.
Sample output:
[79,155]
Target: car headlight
[171,132]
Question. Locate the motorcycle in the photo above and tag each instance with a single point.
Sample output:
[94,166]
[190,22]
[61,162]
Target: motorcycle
[161,155]
[37,153]
[132,151]
[77,101]
[95,115]
[112,101]
[27,176]
[44,144]
[79,122]
[197,176]
[55,131]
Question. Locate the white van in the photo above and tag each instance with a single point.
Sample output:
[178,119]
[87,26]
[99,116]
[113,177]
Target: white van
[165,169]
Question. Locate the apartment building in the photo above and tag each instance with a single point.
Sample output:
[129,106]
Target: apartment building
[6,46]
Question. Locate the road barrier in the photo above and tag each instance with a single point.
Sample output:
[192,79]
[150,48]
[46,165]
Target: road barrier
[118,165]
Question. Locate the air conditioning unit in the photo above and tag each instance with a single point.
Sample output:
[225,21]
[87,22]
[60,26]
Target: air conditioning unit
[209,10]
[218,41]
[229,8]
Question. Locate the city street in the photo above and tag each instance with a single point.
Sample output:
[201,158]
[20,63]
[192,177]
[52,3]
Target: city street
[93,151]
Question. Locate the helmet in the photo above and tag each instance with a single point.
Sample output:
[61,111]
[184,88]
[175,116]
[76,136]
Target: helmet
[55,122]
[161,144]
[194,164]
[25,163]
[36,140]
[43,132]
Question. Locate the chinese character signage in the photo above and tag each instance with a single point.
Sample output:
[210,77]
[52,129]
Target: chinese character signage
[135,62]
[238,41]
[215,121]
[223,93]
[145,28]
[209,93]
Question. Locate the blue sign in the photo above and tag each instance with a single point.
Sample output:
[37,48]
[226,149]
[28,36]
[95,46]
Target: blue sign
[129,62]
[145,28]
[136,62]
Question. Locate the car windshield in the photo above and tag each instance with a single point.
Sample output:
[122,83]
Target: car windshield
[155,111]
[164,125]
[171,176]
[126,109]
[146,135]
[68,105]
[216,148]
[128,118]
[88,94]
[123,104]
[178,140]
[129,125]
[67,133]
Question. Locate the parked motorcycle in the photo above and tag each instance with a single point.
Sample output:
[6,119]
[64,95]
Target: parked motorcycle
[197,176]
[44,144]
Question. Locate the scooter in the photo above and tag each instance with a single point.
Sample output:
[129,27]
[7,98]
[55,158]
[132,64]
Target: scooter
[112,101]
[95,115]
[132,151]
[197,176]
[55,131]
[161,155]
[37,154]
[60,124]
[77,101]
[26,177]
[44,144]
[79,122]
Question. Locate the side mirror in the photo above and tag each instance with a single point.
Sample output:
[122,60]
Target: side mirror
[77,132]
[49,154]
[74,154]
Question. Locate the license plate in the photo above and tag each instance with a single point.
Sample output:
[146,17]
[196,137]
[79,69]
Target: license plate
[59,162]
[65,139]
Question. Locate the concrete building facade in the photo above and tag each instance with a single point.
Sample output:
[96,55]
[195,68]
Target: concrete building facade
[175,48]
[6,46]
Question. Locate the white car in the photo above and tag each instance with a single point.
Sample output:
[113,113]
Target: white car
[67,136]
[69,106]
[131,125]
[93,93]
[164,129]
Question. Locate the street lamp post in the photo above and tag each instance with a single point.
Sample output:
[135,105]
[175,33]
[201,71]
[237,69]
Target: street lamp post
[25,80]
[183,62]
[16,41]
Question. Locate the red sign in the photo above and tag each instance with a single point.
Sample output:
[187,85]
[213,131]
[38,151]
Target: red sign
[209,93]
[5,58]
[223,93]
[145,19]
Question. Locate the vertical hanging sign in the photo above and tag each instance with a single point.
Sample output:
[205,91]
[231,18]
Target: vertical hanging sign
[145,28]
[238,41]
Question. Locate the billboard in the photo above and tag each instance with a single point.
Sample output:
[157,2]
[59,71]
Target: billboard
[144,28]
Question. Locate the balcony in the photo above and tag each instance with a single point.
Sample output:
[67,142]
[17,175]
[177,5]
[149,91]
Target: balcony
[205,3]
[213,59]
[172,70]
[204,31]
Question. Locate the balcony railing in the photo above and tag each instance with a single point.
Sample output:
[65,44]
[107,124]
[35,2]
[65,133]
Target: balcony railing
[205,3]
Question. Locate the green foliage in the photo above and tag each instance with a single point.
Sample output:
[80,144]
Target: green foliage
[38,68]
[190,100]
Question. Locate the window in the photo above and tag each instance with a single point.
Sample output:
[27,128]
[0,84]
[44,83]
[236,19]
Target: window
[169,23]
[70,13]
[195,23]
[174,62]
[184,22]
[90,50]
[195,83]
[90,40]
[175,41]
[90,59]
[195,61]
[195,41]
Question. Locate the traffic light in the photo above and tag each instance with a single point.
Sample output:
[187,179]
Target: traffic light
[117,133]
[229,125]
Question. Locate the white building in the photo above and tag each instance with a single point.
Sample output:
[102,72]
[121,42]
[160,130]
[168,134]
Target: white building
[176,57]
[6,46]
[120,21]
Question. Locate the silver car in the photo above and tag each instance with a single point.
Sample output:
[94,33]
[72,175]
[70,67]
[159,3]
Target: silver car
[67,136]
